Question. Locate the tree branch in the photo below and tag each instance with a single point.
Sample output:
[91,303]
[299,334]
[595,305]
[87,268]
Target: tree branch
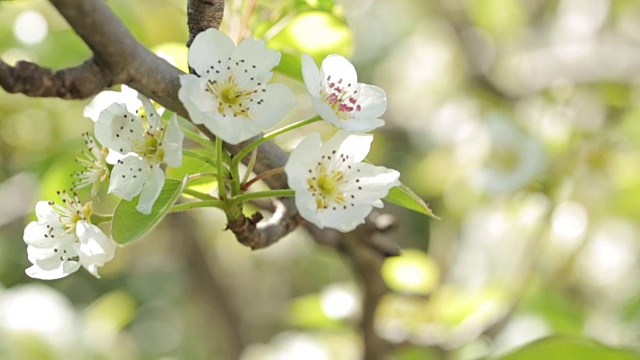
[203,15]
[220,308]
[366,263]
[77,82]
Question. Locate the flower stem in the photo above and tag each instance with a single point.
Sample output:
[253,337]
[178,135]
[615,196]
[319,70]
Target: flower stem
[196,204]
[222,189]
[206,143]
[259,195]
[198,194]
[100,218]
[259,177]
[250,165]
[201,157]
[269,136]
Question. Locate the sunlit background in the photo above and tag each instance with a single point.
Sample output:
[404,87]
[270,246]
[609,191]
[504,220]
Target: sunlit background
[518,121]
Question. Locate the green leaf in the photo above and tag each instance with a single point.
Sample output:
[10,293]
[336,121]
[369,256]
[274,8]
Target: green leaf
[569,348]
[129,224]
[405,197]
[290,65]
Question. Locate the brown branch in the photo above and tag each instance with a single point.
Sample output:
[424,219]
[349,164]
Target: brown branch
[77,82]
[203,15]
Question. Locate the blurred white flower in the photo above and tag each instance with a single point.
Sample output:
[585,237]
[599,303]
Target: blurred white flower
[339,98]
[333,187]
[63,239]
[35,310]
[514,160]
[229,94]
[95,166]
[148,144]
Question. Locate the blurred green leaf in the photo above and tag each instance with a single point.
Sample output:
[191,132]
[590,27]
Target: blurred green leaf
[569,348]
[307,312]
[129,224]
[415,353]
[316,33]
[413,271]
[290,65]
[405,197]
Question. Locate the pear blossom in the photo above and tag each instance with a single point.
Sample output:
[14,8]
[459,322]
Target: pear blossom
[63,239]
[126,96]
[147,143]
[339,98]
[230,94]
[333,187]
[95,165]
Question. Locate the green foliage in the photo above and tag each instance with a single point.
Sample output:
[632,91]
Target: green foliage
[569,348]
[129,224]
[405,197]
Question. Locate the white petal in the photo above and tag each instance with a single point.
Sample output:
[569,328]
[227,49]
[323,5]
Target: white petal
[277,101]
[118,129]
[199,103]
[373,101]
[210,48]
[34,235]
[300,160]
[126,96]
[152,114]
[344,219]
[375,181]
[338,68]
[360,124]
[325,111]
[151,190]
[65,268]
[356,146]
[253,62]
[95,247]
[306,205]
[172,143]
[311,75]
[128,176]
[47,257]
[45,212]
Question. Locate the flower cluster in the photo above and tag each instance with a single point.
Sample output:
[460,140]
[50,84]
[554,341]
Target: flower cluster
[230,94]
[63,239]
[231,97]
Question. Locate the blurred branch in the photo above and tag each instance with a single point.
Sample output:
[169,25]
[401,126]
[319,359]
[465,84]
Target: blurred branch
[366,262]
[206,283]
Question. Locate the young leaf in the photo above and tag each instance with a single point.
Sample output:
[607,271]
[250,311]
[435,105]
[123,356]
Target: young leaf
[129,224]
[569,348]
[405,197]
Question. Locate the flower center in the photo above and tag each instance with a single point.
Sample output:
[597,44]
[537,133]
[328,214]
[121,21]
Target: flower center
[326,187]
[232,100]
[71,211]
[341,98]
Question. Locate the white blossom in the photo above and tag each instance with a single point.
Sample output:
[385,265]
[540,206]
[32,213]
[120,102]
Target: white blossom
[148,144]
[230,94]
[339,98]
[63,239]
[333,187]
[95,166]
[126,96]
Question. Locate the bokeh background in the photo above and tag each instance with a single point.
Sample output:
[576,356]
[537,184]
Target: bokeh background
[518,121]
